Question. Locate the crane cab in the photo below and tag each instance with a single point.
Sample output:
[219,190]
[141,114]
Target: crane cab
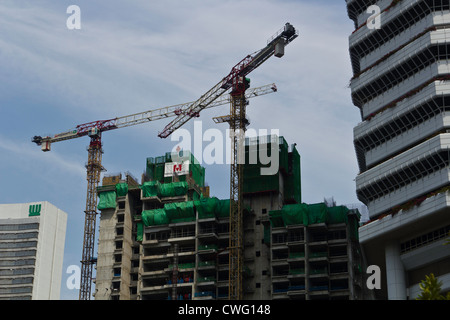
[94,132]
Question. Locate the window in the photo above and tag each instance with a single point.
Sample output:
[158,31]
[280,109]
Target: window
[424,239]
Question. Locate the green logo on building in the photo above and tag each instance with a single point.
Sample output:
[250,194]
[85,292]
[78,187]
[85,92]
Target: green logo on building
[34,210]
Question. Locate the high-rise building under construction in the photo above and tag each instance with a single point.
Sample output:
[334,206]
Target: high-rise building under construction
[401,84]
[168,238]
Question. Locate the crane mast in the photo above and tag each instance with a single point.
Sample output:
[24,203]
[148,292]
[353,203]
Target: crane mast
[236,80]
[236,263]
[93,168]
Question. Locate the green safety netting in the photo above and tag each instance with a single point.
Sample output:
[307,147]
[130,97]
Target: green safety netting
[139,231]
[318,213]
[288,165]
[150,189]
[121,189]
[180,211]
[157,189]
[147,217]
[295,214]
[206,207]
[338,214]
[107,200]
[154,217]
[174,189]
[276,219]
[307,214]
[223,208]
[292,181]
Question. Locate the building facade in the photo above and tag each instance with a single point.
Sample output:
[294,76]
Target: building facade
[167,238]
[401,85]
[32,238]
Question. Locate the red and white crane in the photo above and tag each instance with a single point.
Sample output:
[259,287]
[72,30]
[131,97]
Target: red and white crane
[237,82]
[275,46]
[94,166]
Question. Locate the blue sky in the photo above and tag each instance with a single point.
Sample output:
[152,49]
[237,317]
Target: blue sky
[136,55]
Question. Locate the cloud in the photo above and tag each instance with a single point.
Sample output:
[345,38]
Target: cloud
[20,155]
[136,55]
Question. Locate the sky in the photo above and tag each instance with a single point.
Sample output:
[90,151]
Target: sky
[136,55]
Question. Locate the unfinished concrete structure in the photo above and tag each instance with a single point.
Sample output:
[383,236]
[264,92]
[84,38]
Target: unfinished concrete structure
[167,238]
[401,86]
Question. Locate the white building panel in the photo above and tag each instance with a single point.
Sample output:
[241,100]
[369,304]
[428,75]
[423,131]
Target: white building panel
[431,146]
[408,139]
[397,41]
[397,59]
[404,87]
[391,225]
[437,88]
[415,189]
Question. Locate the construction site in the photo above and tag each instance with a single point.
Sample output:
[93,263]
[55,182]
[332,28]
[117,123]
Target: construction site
[167,238]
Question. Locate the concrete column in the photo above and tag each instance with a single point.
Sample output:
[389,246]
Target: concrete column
[395,272]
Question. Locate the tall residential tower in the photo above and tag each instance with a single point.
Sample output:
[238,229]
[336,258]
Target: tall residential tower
[401,85]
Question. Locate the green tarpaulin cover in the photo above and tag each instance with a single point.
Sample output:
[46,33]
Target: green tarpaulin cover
[206,207]
[223,208]
[318,213]
[173,189]
[154,217]
[157,189]
[121,189]
[180,211]
[107,200]
[150,189]
[295,214]
[338,214]
[307,214]
[140,231]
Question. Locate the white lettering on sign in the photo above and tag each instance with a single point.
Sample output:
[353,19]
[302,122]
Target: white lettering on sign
[180,169]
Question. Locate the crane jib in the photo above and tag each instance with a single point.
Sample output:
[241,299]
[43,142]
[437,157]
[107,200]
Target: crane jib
[275,46]
[100,125]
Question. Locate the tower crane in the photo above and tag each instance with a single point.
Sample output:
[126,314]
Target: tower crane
[94,166]
[237,81]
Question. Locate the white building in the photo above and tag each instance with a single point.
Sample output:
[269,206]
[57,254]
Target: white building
[32,237]
[401,85]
